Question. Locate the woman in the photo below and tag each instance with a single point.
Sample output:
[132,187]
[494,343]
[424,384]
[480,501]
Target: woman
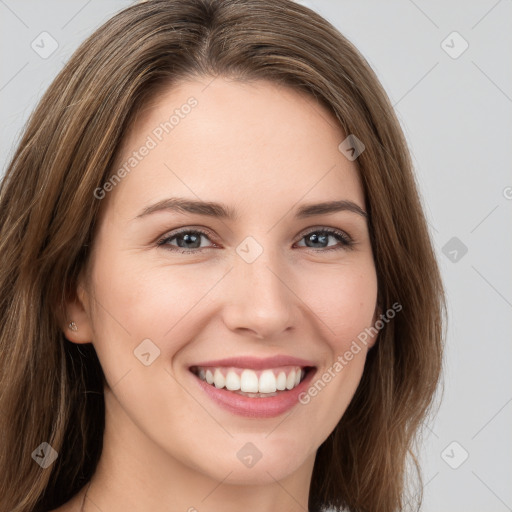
[218,287]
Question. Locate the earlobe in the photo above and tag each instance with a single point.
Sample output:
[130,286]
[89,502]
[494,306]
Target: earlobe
[76,322]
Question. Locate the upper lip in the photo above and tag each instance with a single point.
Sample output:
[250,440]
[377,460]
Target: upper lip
[256,363]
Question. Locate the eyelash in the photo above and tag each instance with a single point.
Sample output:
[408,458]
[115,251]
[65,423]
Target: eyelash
[346,241]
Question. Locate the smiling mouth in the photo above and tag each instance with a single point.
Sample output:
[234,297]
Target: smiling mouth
[253,383]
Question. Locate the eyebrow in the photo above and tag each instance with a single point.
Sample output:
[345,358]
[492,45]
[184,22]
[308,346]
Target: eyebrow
[221,211]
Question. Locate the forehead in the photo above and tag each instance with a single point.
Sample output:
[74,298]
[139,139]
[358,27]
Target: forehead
[236,141]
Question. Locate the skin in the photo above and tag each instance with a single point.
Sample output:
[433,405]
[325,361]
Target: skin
[263,150]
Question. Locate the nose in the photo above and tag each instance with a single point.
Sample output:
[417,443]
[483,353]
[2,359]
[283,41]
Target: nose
[259,299]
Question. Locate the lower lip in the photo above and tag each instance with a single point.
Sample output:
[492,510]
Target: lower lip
[256,407]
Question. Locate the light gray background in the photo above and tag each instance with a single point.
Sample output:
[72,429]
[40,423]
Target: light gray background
[456,114]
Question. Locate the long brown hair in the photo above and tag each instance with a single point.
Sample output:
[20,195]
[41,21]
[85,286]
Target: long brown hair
[51,390]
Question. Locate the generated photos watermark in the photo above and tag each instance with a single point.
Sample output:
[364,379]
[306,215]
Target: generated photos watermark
[345,358]
[152,141]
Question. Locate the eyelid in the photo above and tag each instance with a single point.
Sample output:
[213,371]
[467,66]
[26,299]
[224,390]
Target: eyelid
[323,228]
[186,229]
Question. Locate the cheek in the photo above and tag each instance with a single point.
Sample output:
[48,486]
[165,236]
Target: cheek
[344,300]
[343,297]
[136,300]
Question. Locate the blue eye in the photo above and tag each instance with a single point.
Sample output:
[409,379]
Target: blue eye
[189,241]
[322,236]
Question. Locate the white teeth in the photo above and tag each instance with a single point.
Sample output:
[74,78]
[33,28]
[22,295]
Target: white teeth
[249,382]
[281,381]
[267,382]
[218,379]
[290,380]
[232,381]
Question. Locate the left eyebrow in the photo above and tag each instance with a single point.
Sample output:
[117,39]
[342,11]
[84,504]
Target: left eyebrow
[309,210]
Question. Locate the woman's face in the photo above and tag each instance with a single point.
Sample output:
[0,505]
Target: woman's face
[165,302]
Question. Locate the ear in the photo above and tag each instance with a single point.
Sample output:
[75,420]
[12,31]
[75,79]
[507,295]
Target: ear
[77,309]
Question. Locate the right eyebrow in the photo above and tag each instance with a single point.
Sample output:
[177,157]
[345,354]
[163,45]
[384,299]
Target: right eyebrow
[179,204]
